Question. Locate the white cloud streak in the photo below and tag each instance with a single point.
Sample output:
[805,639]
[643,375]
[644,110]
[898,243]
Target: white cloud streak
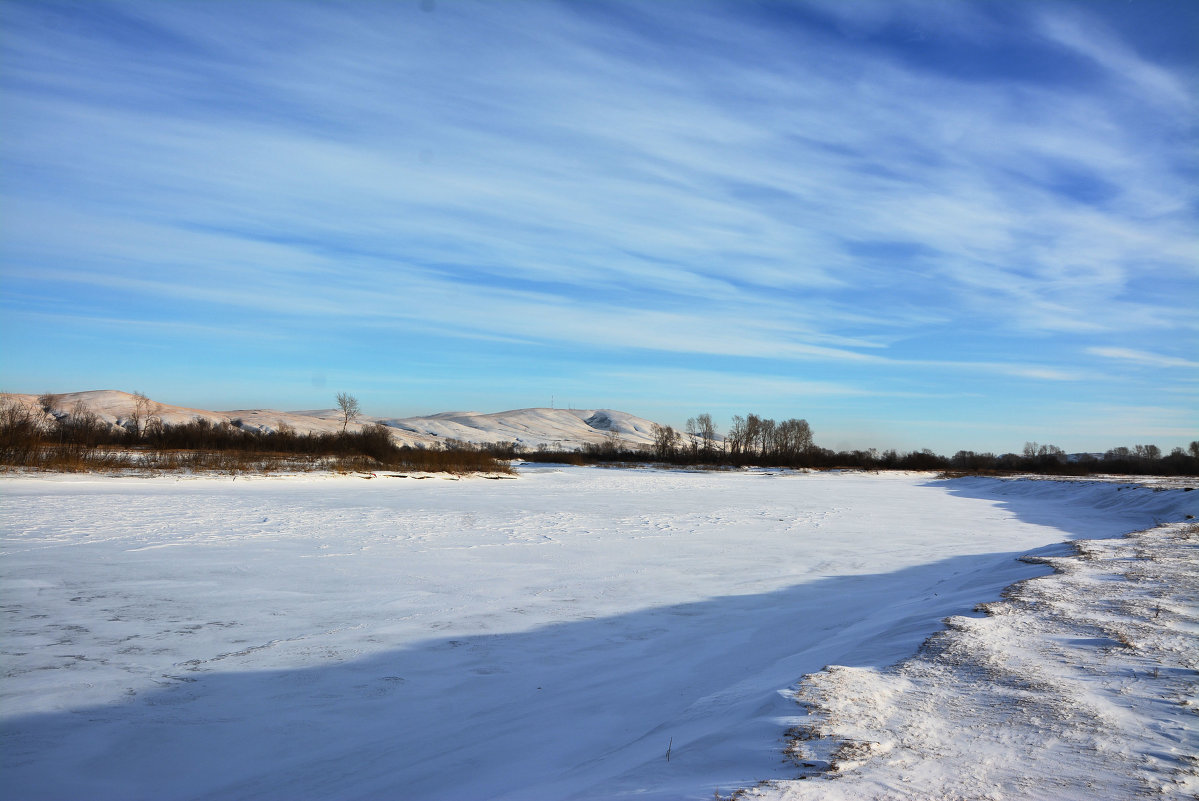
[532,173]
[1124,65]
[1144,357]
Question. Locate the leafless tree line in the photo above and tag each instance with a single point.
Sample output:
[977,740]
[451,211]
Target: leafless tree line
[750,439]
[754,440]
[39,435]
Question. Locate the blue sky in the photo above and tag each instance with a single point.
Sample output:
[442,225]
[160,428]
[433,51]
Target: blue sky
[915,224]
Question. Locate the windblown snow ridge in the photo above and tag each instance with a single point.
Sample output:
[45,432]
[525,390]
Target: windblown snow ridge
[1078,685]
[1150,500]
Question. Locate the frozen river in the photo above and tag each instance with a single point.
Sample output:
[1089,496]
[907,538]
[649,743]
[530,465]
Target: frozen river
[557,636]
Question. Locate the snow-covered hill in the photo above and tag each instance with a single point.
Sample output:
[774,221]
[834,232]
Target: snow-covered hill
[116,408]
[568,429]
[554,428]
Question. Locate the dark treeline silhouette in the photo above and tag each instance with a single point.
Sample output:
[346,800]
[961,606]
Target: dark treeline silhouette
[80,440]
[40,436]
[754,441]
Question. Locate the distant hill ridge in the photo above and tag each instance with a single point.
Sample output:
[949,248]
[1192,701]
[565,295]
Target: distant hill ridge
[566,429]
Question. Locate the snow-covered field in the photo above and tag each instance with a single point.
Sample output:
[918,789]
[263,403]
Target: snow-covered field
[576,633]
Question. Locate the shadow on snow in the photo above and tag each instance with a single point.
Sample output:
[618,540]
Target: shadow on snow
[1080,509]
[579,709]
[586,708]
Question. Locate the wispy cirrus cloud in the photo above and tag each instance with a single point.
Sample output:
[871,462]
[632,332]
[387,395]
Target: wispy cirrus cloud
[1144,357]
[880,192]
[1102,46]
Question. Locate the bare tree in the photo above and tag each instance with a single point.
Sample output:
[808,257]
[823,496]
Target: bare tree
[1148,452]
[83,425]
[48,401]
[143,408]
[707,433]
[793,439]
[756,435]
[666,441]
[1051,453]
[21,434]
[736,438]
[349,407]
[767,436]
[693,435]
[48,421]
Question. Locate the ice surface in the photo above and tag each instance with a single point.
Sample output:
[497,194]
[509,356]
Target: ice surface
[544,638]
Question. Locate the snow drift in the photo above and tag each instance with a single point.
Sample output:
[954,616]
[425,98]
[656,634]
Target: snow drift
[1081,685]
